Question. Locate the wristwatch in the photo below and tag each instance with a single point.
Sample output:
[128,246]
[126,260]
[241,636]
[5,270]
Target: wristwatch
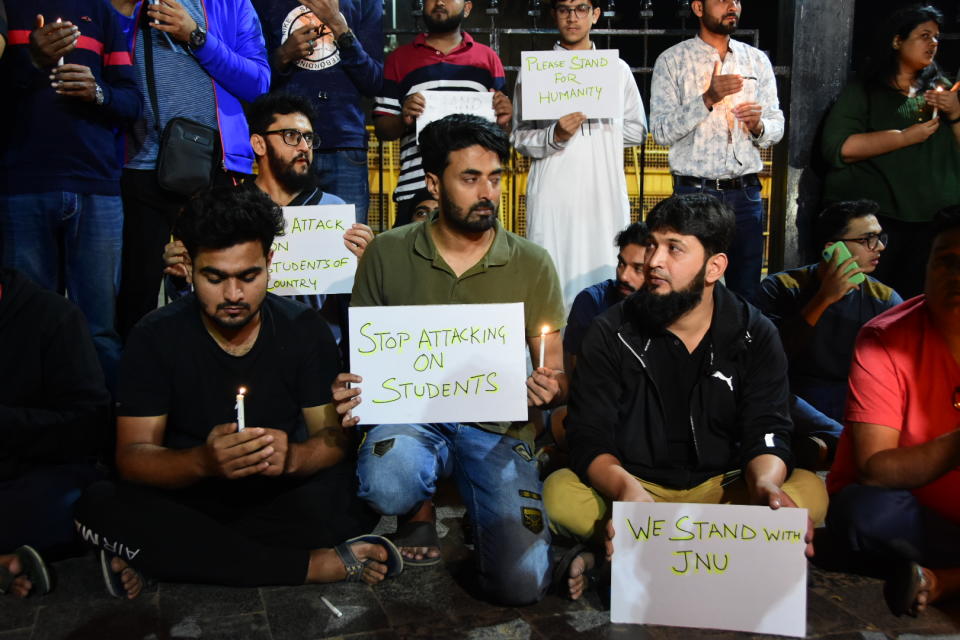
[347,40]
[198,38]
[98,94]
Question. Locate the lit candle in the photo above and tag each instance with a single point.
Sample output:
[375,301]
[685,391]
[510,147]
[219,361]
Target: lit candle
[935,109]
[543,342]
[60,61]
[241,417]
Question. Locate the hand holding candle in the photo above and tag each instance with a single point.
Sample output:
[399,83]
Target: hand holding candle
[241,417]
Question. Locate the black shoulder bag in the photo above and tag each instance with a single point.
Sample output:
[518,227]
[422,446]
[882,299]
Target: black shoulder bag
[188,149]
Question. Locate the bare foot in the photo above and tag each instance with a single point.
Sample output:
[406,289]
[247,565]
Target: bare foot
[419,553]
[425,513]
[130,577]
[21,583]
[326,566]
[577,579]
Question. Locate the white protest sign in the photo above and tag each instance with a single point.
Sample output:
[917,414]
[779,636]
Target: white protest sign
[556,83]
[310,258]
[440,363]
[440,104]
[740,568]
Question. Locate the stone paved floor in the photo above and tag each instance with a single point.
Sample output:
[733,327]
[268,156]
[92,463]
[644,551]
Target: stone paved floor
[423,603]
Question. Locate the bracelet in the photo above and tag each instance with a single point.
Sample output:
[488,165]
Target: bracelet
[954,121]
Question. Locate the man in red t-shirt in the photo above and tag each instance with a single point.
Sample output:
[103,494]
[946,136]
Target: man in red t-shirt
[895,481]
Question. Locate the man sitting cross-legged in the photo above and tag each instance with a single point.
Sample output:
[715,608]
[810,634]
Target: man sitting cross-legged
[895,481]
[680,392]
[461,255]
[201,500]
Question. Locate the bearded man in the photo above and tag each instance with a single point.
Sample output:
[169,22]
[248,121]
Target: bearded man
[445,58]
[680,393]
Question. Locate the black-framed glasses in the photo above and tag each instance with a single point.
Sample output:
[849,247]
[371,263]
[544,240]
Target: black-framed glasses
[293,137]
[870,241]
[581,10]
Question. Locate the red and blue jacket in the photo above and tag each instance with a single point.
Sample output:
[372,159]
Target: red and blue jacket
[57,143]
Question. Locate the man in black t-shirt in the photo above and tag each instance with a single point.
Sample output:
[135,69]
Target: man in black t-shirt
[203,499]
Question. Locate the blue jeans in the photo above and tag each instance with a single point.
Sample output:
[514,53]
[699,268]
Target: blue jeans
[344,173]
[746,252]
[498,480]
[864,520]
[70,241]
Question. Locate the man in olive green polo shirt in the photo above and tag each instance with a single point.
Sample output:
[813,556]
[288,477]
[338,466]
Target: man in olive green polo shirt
[462,256]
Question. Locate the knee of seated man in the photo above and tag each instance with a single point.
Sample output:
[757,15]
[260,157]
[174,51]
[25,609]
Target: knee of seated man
[566,514]
[390,491]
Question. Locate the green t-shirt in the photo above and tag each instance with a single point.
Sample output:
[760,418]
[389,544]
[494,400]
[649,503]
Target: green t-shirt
[909,184]
[403,267]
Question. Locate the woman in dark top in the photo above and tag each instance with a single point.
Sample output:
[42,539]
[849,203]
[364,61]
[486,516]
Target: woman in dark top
[893,137]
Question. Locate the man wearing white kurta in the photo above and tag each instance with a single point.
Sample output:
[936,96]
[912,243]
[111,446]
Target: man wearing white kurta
[576,191]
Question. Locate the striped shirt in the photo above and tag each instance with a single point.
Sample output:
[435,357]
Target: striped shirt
[417,67]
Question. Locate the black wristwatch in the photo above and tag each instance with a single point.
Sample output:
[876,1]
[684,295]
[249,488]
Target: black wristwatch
[198,38]
[347,40]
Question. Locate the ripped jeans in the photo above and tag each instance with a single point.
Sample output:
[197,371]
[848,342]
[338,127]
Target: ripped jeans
[498,480]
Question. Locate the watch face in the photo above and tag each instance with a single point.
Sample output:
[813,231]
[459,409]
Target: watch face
[325,52]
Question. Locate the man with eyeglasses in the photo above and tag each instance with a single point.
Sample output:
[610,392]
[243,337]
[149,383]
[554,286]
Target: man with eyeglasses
[713,101]
[895,481]
[819,308]
[331,53]
[283,140]
[573,219]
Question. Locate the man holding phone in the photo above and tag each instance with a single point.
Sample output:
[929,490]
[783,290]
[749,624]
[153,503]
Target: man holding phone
[819,308]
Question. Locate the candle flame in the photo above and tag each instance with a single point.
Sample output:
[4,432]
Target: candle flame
[545,330]
[242,391]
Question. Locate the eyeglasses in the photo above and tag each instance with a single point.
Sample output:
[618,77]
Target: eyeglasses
[293,137]
[870,241]
[581,10]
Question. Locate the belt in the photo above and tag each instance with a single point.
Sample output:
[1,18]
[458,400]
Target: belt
[717,184]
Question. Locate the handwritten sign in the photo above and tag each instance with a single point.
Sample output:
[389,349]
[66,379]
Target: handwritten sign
[440,104]
[440,363]
[732,567]
[311,257]
[556,83]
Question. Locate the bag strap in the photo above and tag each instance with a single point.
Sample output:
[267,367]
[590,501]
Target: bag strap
[147,33]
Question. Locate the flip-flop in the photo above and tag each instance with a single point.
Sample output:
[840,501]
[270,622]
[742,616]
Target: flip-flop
[905,580]
[112,579]
[355,566]
[417,534]
[561,571]
[33,567]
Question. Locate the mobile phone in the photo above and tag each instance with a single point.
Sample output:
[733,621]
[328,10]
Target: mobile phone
[841,248]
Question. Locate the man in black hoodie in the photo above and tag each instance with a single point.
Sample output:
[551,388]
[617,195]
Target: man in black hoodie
[680,392]
[54,410]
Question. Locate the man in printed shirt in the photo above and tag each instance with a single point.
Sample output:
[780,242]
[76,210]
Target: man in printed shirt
[714,102]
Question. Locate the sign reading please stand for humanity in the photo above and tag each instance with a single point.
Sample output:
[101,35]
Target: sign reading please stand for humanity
[310,258]
[556,83]
[740,568]
[440,363]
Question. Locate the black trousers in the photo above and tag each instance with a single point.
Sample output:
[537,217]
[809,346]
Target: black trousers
[149,213]
[232,533]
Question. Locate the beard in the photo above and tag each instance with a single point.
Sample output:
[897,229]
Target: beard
[656,312]
[232,324]
[452,23]
[287,175]
[719,26]
[461,221]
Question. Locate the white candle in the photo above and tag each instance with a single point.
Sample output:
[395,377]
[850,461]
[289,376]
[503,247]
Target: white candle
[935,109]
[241,417]
[60,61]
[543,343]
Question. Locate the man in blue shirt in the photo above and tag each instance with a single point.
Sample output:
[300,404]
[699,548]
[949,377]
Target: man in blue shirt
[332,54]
[819,312]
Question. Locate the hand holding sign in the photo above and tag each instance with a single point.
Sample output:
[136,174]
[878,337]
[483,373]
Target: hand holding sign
[346,398]
[768,494]
[357,237]
[567,126]
[502,109]
[413,107]
[721,86]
